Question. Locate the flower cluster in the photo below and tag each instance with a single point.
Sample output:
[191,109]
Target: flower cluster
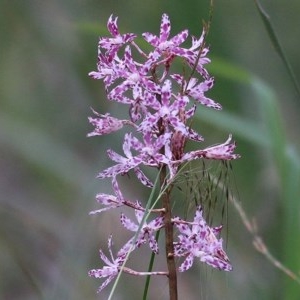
[161,105]
[197,239]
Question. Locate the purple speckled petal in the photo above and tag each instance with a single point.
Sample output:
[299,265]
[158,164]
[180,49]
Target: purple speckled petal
[165,28]
[127,223]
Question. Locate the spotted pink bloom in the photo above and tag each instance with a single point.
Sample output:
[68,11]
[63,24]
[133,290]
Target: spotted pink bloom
[142,100]
[219,152]
[110,201]
[108,70]
[113,265]
[199,55]
[146,231]
[105,124]
[133,76]
[197,239]
[167,111]
[196,90]
[147,153]
[162,44]
[113,44]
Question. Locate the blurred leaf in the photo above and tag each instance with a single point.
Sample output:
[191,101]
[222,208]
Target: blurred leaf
[41,149]
[229,71]
[268,133]
[246,129]
[276,44]
[92,28]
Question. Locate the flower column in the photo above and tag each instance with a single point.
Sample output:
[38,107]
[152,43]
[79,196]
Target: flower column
[160,105]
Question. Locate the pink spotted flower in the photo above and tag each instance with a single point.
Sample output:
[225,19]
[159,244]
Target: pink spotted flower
[146,230]
[146,152]
[113,265]
[113,44]
[162,44]
[105,124]
[198,240]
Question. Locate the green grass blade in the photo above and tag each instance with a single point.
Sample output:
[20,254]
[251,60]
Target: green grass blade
[150,267]
[150,205]
[276,44]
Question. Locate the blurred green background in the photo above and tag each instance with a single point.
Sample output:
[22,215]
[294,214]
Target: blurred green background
[48,166]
